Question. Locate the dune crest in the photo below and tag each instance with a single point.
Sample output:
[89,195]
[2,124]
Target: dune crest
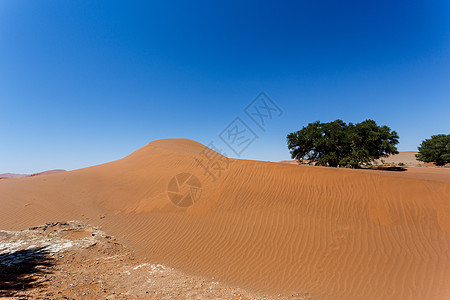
[334,234]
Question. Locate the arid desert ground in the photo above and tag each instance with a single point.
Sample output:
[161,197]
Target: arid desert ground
[254,230]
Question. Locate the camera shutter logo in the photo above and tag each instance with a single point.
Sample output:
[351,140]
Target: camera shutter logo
[184,190]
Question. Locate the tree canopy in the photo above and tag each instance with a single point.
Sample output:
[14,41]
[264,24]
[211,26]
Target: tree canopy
[339,144]
[436,149]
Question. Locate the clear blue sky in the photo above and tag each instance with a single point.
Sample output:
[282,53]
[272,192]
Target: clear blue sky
[86,82]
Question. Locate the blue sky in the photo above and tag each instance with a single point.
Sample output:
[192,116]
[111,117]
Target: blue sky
[86,82]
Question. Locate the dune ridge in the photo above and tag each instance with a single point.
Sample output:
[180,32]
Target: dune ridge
[15,176]
[333,234]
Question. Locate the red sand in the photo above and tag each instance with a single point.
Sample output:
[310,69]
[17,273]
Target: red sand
[331,233]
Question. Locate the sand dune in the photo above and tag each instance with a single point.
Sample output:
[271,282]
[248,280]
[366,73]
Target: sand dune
[407,158]
[277,228]
[49,172]
[12,175]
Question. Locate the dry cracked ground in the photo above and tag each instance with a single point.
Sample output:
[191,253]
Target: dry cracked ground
[74,260]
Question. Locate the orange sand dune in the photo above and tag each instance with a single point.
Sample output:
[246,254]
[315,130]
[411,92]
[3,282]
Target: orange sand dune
[332,233]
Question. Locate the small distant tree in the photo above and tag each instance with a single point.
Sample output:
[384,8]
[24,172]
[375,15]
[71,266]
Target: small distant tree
[339,144]
[436,150]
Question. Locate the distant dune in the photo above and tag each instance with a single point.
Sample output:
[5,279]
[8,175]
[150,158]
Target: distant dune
[404,157]
[415,168]
[330,233]
[407,158]
[11,175]
[49,172]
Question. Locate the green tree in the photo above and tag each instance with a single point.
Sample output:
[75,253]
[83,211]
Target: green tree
[339,144]
[436,149]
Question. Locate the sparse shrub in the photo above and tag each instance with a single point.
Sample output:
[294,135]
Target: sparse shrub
[340,144]
[436,150]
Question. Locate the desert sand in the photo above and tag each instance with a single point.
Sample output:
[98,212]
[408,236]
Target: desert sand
[12,175]
[74,260]
[267,227]
[406,158]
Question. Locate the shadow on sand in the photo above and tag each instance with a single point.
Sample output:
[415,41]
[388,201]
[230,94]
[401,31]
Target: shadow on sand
[22,270]
[386,168]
